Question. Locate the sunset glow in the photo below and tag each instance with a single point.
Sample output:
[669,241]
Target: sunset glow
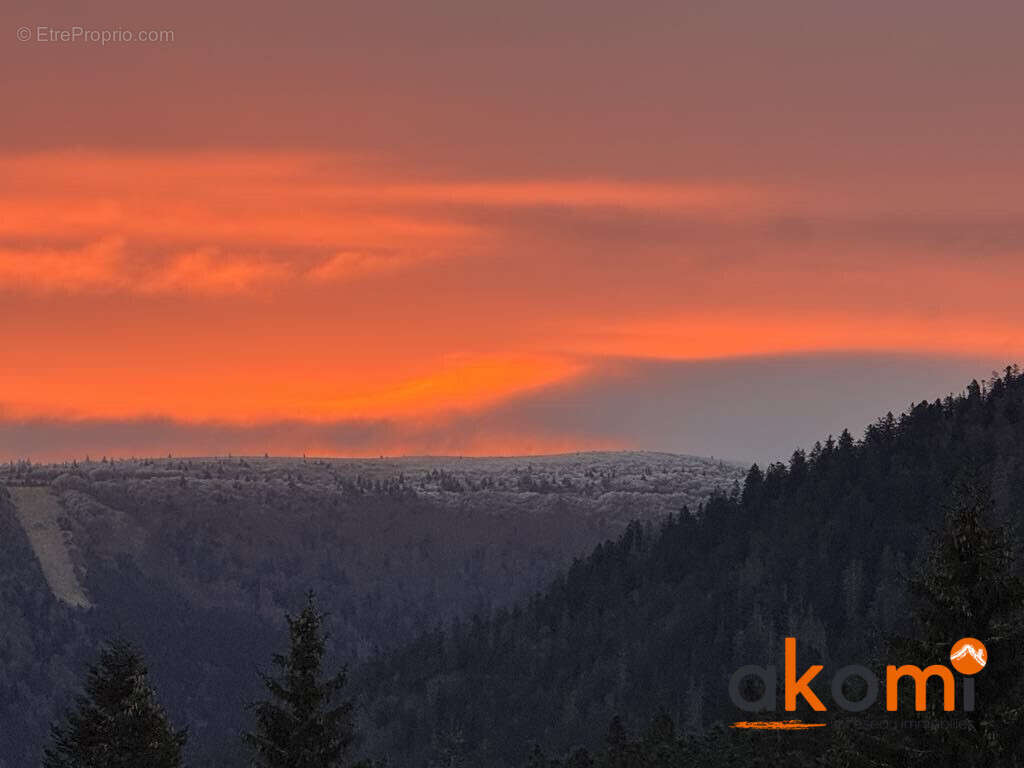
[423,239]
[255,288]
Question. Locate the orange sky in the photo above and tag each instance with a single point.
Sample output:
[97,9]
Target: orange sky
[257,236]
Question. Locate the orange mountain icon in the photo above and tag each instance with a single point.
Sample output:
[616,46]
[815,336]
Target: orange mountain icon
[968,656]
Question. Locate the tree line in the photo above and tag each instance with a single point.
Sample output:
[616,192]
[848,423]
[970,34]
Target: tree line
[968,586]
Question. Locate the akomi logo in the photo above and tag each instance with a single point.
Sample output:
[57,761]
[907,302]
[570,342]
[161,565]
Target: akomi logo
[968,656]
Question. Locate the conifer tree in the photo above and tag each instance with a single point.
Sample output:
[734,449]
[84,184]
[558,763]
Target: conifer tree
[302,725]
[967,587]
[117,723]
[618,752]
[970,587]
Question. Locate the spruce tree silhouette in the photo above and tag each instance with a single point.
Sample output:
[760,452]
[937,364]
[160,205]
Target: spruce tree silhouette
[970,587]
[117,723]
[301,726]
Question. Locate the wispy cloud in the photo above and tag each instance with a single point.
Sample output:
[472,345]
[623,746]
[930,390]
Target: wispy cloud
[308,287]
[93,266]
[352,265]
[105,266]
[204,223]
[208,271]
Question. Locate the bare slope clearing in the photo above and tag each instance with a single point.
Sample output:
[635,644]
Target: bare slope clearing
[38,510]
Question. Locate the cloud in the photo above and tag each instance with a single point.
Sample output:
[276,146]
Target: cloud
[207,271]
[214,223]
[106,266]
[93,266]
[750,409]
[352,265]
[585,193]
[355,285]
[217,222]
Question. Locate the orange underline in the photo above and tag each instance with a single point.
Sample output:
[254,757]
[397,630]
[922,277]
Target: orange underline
[777,725]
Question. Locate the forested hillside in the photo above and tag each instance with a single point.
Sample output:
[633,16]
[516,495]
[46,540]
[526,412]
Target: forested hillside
[656,621]
[197,560]
[625,654]
[41,646]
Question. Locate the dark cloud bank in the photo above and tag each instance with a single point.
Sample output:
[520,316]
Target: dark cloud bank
[748,409]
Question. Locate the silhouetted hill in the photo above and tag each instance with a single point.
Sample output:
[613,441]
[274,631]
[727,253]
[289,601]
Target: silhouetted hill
[658,618]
